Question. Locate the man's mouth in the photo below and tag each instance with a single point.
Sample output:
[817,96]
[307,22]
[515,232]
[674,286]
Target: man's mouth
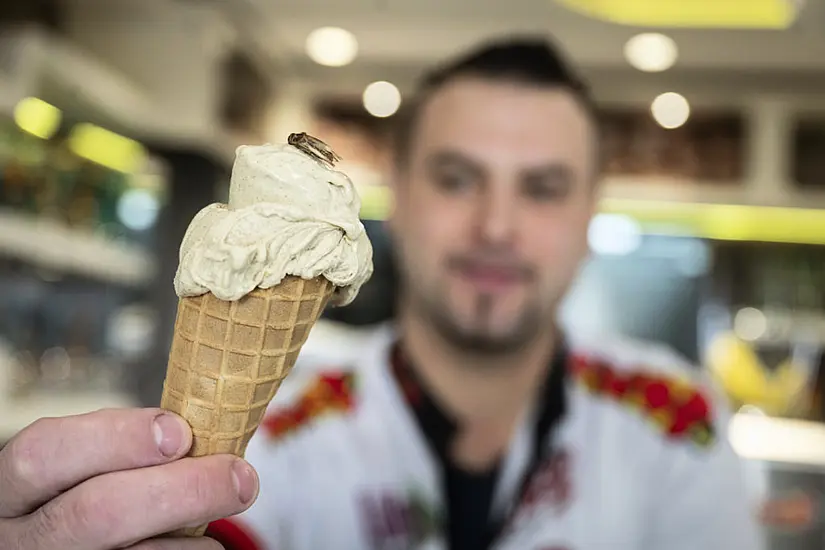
[489,277]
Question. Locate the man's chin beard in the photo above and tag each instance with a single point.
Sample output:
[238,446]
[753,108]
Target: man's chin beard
[483,341]
[484,344]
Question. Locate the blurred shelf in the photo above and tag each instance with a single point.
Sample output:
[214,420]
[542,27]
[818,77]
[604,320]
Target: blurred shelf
[51,245]
[16,414]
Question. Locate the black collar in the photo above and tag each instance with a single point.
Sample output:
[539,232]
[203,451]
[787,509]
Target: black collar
[470,496]
[439,427]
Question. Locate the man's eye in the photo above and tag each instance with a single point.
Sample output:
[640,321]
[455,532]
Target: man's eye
[453,182]
[544,190]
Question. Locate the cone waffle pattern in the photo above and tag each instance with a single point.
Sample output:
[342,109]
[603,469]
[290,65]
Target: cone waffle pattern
[229,358]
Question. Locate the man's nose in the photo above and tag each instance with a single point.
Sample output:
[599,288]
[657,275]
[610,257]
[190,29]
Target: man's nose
[497,217]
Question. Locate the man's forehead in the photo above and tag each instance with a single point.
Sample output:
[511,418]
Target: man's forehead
[489,119]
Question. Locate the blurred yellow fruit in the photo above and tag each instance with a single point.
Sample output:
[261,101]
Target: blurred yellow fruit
[746,379]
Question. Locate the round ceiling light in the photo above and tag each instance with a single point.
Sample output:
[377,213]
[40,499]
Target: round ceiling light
[651,52]
[138,209]
[670,110]
[614,234]
[332,46]
[382,99]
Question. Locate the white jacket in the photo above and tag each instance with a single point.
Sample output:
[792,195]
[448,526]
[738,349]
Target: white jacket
[343,465]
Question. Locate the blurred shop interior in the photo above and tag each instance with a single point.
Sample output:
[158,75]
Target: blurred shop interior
[119,120]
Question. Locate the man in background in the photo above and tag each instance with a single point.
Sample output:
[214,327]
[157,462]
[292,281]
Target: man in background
[474,422]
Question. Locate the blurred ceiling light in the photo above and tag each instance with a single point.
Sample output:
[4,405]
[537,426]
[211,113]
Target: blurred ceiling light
[382,99]
[670,110]
[106,148]
[138,209]
[750,324]
[131,329]
[651,52]
[37,117]
[614,234]
[332,46]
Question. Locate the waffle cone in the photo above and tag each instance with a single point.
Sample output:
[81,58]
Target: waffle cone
[228,360]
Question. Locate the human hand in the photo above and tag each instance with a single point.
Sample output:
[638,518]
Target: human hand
[114,479]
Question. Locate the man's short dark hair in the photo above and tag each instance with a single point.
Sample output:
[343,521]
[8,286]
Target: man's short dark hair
[533,61]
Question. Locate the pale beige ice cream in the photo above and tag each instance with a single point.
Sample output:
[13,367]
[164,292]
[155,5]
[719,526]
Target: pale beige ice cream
[288,214]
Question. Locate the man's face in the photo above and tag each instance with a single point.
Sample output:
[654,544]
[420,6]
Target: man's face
[492,211]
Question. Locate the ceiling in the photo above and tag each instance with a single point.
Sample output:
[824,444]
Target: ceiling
[399,38]
[416,32]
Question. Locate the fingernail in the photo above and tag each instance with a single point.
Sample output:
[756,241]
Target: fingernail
[245,481]
[169,434]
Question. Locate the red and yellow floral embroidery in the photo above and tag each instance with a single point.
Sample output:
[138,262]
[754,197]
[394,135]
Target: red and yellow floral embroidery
[328,394]
[676,407]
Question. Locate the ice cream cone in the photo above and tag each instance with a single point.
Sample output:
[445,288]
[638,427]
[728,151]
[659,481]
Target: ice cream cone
[228,360]
[253,278]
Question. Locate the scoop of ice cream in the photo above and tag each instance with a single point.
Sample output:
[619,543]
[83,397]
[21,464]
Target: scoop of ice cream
[288,214]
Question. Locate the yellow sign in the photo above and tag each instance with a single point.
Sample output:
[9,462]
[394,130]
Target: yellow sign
[106,148]
[725,222]
[38,118]
[728,14]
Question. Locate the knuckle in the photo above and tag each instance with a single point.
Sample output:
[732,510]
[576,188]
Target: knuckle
[207,486]
[120,421]
[88,516]
[201,487]
[128,431]
[25,458]
[18,464]
[194,491]
[50,525]
[13,535]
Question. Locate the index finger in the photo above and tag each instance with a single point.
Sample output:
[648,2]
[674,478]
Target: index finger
[55,454]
